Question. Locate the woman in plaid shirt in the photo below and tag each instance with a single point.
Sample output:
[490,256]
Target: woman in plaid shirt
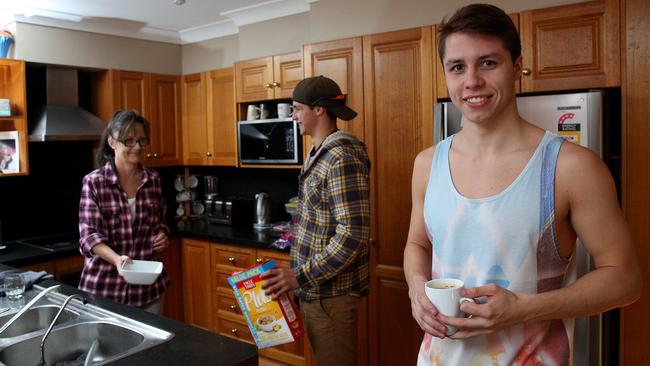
[122,215]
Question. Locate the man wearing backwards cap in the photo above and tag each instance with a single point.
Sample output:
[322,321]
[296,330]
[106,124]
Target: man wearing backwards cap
[329,256]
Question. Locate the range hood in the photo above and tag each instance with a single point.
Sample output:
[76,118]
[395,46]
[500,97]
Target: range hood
[61,119]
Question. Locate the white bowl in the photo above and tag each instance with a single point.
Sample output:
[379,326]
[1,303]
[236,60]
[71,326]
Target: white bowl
[142,272]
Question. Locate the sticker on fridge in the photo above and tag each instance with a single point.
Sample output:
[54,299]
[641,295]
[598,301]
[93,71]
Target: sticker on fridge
[568,128]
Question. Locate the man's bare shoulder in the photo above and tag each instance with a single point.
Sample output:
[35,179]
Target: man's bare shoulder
[424,158]
[580,169]
[573,156]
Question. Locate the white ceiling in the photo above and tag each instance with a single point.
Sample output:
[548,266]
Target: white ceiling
[158,20]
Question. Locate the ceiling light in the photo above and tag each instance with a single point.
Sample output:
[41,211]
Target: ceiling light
[179,2]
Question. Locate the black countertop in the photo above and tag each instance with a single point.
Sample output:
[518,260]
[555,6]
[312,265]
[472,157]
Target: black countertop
[18,254]
[238,235]
[189,346]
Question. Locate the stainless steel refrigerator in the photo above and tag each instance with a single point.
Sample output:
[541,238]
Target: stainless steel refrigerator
[578,117]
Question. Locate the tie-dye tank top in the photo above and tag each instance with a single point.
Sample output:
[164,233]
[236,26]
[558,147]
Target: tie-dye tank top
[508,239]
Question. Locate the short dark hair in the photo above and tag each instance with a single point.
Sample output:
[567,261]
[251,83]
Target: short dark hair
[121,123]
[483,19]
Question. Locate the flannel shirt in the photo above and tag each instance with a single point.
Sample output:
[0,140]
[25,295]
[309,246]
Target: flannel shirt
[104,217]
[329,254]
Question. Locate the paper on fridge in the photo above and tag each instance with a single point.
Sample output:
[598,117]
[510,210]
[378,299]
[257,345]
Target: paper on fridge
[271,322]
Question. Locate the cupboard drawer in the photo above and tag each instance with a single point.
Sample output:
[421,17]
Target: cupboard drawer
[281,258]
[240,258]
[226,303]
[236,330]
[220,280]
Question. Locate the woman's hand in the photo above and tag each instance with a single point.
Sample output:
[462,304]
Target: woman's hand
[120,262]
[160,242]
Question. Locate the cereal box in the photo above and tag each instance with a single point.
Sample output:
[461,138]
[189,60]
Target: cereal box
[271,322]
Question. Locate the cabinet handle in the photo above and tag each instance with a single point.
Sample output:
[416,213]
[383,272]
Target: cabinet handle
[275,84]
[155,155]
[149,155]
[258,260]
[526,72]
[268,85]
[233,308]
[231,260]
[209,153]
[234,331]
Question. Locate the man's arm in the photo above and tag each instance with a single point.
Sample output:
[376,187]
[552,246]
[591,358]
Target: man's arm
[417,252]
[584,181]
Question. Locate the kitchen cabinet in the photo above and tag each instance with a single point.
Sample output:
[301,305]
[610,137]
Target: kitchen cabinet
[173,264]
[222,123]
[635,319]
[571,47]
[272,77]
[341,61]
[195,127]
[12,87]
[441,91]
[60,268]
[219,262]
[209,123]
[165,117]
[197,299]
[156,97]
[397,69]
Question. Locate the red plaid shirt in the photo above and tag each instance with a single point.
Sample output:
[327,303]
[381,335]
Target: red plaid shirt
[104,217]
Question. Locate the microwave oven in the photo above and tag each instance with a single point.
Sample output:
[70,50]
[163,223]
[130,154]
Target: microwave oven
[269,141]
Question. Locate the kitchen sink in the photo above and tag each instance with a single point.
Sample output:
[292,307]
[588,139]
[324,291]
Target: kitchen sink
[35,319]
[73,334]
[72,342]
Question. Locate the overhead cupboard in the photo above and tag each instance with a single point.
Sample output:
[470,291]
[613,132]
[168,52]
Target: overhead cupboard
[13,118]
[154,96]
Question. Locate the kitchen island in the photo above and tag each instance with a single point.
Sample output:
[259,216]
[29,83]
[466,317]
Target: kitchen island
[189,345]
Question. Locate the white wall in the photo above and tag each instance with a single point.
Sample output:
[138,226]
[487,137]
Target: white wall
[327,20]
[50,45]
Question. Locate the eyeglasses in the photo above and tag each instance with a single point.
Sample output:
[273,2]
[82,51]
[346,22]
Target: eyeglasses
[130,141]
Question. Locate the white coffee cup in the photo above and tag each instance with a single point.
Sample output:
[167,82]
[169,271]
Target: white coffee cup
[253,112]
[285,110]
[444,294]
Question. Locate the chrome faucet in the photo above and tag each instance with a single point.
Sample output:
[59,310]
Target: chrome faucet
[56,317]
[27,307]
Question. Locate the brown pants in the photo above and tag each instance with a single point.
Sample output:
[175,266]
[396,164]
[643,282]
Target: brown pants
[332,329]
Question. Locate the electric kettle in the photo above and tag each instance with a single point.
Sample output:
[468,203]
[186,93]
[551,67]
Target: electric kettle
[262,213]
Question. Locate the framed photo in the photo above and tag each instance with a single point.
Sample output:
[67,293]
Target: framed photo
[9,152]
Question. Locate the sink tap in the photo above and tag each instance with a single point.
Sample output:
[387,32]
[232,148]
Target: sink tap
[56,317]
[27,307]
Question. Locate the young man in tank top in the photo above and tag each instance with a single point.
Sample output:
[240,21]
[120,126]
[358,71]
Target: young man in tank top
[499,205]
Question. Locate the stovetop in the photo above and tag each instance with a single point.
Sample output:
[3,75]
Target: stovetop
[53,242]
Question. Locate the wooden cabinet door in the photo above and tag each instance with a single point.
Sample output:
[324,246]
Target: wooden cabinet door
[132,91]
[195,134]
[165,119]
[341,61]
[571,47]
[441,91]
[635,319]
[287,73]
[397,68]
[222,123]
[172,261]
[254,79]
[197,295]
